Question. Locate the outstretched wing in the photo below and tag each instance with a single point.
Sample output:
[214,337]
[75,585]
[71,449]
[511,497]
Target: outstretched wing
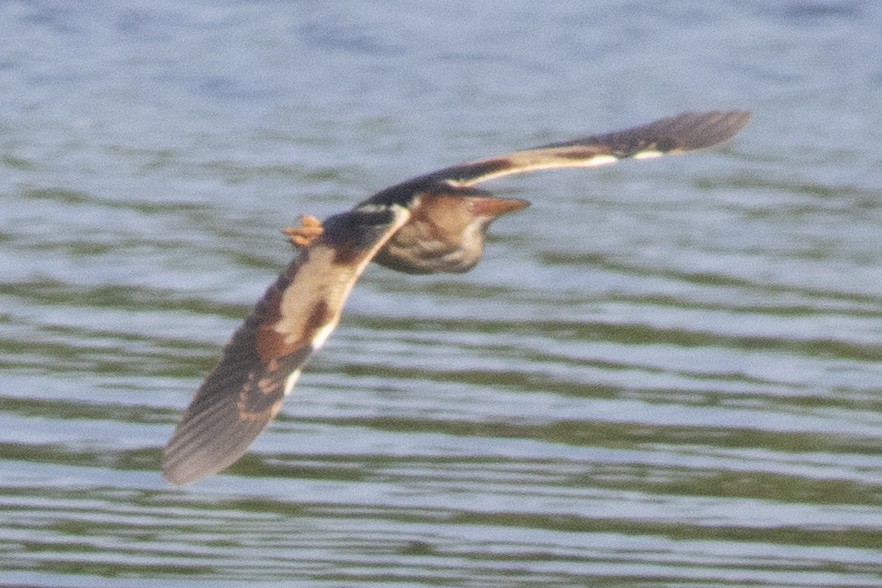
[675,134]
[264,358]
[297,314]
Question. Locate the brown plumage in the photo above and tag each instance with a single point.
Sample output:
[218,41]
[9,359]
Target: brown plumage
[432,223]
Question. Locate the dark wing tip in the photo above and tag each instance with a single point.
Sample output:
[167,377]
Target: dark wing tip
[697,130]
[230,409]
[232,406]
[209,441]
[674,134]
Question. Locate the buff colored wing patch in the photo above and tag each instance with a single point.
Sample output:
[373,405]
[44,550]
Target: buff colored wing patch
[261,363]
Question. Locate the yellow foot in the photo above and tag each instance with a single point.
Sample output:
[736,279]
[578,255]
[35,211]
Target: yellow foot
[309,230]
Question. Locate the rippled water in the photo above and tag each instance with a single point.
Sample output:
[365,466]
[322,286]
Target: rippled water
[663,373]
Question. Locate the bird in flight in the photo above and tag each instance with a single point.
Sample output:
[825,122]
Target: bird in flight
[432,223]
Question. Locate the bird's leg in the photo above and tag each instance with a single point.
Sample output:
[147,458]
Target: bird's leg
[309,230]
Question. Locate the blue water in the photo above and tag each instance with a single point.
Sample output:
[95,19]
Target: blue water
[663,373]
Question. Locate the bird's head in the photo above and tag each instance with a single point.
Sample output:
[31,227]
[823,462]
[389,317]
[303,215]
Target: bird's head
[446,230]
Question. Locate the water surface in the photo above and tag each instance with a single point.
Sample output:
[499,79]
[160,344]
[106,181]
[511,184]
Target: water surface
[663,373]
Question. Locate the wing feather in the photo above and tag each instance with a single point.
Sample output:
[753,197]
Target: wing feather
[300,310]
[676,134]
[263,359]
